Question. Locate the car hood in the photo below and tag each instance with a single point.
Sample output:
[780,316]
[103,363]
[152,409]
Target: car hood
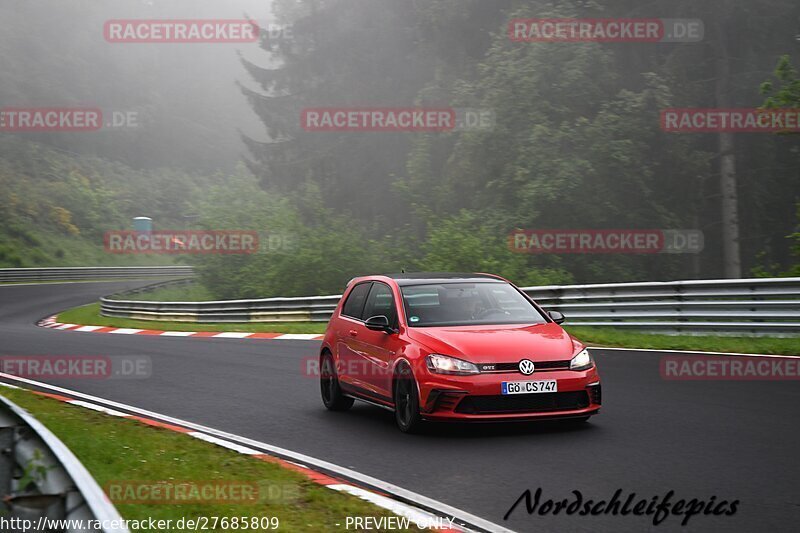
[498,344]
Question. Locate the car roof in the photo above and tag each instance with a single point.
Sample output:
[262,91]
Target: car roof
[420,278]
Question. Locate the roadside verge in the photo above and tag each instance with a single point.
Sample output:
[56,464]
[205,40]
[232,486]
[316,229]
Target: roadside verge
[418,509]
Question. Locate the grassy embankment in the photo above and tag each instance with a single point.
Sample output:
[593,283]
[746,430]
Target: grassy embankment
[129,451]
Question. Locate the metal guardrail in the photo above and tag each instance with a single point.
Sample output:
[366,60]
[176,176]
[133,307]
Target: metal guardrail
[56,485]
[87,273]
[741,306]
[295,309]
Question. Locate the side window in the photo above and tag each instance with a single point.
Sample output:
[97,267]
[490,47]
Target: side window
[355,301]
[380,302]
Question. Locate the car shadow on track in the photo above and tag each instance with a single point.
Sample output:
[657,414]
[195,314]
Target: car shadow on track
[368,414]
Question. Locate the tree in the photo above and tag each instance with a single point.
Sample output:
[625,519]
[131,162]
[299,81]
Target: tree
[787,95]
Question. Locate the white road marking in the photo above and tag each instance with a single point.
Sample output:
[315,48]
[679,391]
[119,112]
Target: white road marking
[398,508]
[300,336]
[233,335]
[225,444]
[100,408]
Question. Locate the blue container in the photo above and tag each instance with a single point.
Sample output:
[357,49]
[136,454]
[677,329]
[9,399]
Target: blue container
[144,224]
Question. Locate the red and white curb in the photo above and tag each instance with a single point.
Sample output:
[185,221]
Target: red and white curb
[419,510]
[50,322]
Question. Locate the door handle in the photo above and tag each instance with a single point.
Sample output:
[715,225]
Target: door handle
[353,333]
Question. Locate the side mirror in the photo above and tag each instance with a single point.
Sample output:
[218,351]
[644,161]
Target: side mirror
[379,323]
[557,317]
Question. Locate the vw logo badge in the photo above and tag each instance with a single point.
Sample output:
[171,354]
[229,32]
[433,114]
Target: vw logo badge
[526,367]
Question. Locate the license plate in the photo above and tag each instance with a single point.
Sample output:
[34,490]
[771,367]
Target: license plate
[529,387]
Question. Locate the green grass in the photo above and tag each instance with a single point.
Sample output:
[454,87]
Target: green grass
[130,451]
[192,292]
[630,339]
[89,315]
[44,248]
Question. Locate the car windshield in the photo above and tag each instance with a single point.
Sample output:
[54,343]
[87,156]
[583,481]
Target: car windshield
[467,304]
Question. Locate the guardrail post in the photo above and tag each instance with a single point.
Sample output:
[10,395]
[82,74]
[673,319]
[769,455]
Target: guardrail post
[6,458]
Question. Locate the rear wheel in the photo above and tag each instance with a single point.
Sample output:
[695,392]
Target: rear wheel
[332,395]
[406,401]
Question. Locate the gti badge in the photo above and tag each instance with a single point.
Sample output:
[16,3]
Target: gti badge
[526,367]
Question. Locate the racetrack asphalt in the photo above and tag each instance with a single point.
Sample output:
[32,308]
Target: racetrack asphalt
[736,440]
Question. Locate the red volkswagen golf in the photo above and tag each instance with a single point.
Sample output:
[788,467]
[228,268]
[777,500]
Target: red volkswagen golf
[445,347]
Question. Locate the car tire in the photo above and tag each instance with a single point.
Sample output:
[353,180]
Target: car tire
[332,395]
[406,401]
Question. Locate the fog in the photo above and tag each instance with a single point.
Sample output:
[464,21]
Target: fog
[568,134]
[55,53]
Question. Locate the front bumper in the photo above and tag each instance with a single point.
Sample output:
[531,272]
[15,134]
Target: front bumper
[478,397]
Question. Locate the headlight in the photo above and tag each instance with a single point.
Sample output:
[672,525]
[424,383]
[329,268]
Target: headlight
[442,364]
[582,361]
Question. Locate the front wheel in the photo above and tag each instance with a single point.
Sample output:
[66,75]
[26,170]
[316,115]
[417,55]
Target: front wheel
[332,395]
[406,401]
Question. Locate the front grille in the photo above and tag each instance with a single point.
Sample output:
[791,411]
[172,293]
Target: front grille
[514,367]
[524,403]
